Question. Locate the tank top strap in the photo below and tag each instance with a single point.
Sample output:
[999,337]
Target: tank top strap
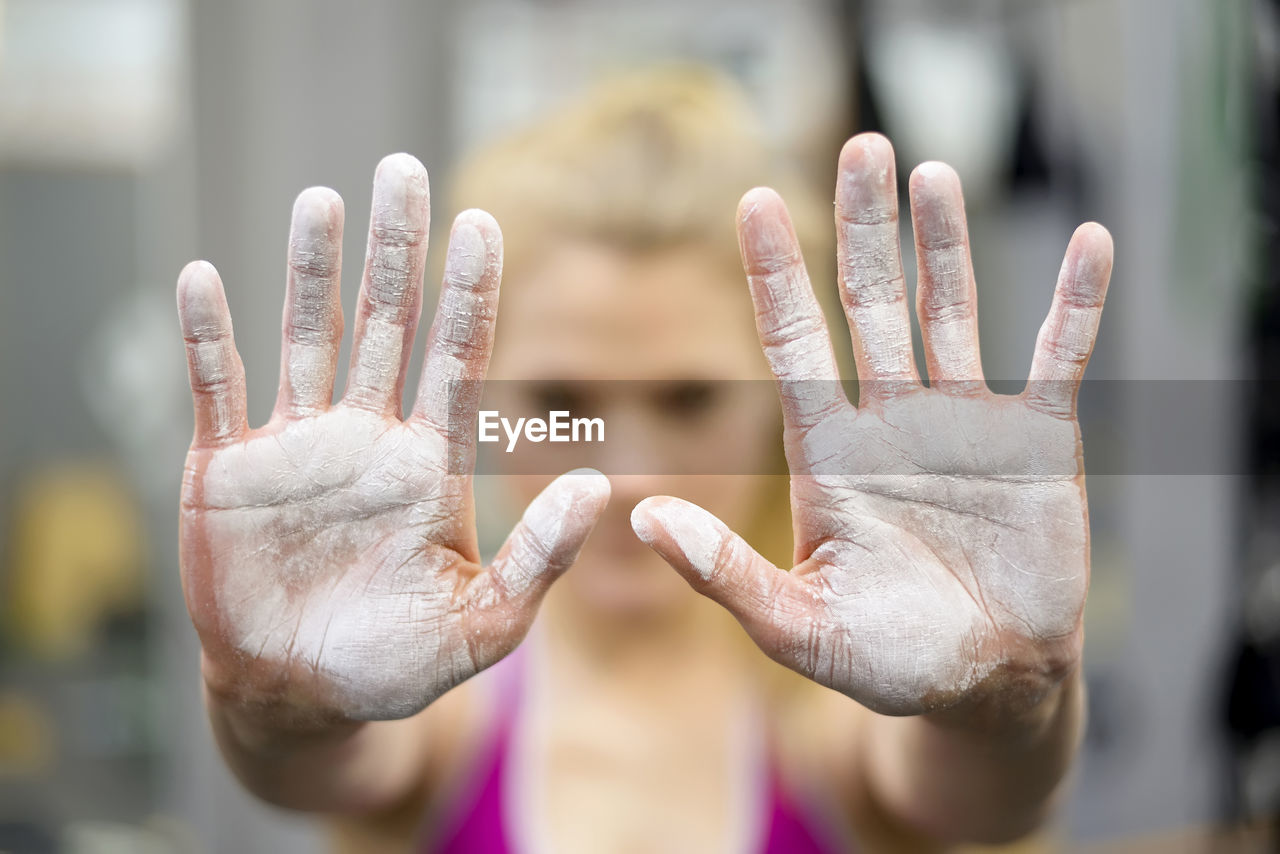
[472,817]
[798,822]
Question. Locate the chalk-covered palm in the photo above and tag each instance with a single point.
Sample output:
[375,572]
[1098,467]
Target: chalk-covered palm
[941,533]
[329,558]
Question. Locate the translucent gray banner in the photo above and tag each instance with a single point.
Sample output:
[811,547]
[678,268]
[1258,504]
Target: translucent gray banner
[714,427]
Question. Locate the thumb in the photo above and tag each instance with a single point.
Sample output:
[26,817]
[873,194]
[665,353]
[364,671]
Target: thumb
[717,563]
[547,539]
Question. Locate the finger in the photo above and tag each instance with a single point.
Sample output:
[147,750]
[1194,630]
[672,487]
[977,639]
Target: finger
[872,286]
[214,367]
[1066,339]
[717,563]
[391,292]
[792,330]
[312,308]
[461,336]
[547,539]
[946,298]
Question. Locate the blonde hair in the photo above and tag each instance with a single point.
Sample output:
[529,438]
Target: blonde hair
[644,160]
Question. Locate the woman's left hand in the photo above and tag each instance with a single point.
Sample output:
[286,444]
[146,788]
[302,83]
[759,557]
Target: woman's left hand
[941,532]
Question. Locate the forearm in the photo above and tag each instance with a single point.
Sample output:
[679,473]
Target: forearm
[317,766]
[985,778]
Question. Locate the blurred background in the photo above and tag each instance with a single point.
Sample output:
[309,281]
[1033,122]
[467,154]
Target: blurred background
[136,135]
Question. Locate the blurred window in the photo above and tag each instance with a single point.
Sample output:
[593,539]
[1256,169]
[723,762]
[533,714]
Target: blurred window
[89,82]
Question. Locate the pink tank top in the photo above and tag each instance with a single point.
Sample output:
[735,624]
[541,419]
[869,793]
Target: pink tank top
[477,820]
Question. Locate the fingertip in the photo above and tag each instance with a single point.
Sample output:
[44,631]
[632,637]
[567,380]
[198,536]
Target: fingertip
[477,232]
[1088,263]
[319,204]
[481,220]
[196,274]
[867,152]
[937,205]
[932,169]
[686,535]
[766,236]
[201,301]
[401,182]
[934,178]
[1095,238]
[468,256]
[475,249]
[214,370]
[562,516]
[757,201]
[401,166]
[587,472]
[662,511]
[590,485]
[581,492]
[933,172]
[643,518]
[867,181]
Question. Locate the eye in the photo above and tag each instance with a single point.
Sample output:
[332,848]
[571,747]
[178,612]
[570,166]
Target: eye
[688,399]
[556,396]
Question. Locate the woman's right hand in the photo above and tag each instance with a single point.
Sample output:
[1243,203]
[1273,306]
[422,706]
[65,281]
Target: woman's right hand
[329,558]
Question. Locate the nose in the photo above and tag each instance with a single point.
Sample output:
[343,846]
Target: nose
[630,489]
[631,454]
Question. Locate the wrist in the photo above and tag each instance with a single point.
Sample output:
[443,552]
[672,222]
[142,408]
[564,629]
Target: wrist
[1012,710]
[264,729]
[268,720]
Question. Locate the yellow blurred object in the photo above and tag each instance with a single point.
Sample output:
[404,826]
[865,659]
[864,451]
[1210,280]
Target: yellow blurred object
[76,557]
[26,737]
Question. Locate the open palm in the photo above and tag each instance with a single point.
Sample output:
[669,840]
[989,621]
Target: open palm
[329,558]
[941,532]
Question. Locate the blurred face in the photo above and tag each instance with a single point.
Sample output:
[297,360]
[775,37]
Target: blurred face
[645,341]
